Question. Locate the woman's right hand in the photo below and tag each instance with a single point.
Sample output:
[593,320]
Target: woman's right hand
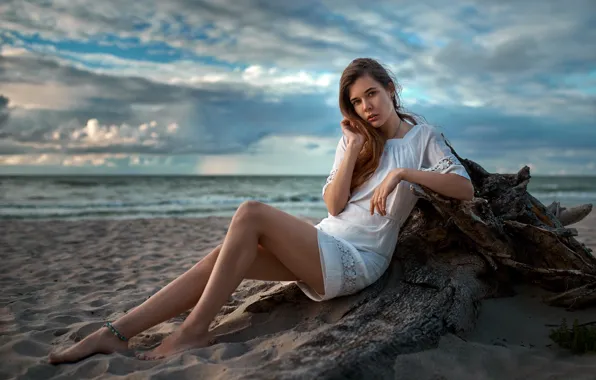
[351,133]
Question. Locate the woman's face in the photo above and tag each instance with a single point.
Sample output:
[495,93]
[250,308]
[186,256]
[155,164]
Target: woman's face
[371,101]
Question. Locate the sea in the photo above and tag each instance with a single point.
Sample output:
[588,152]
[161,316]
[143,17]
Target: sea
[126,197]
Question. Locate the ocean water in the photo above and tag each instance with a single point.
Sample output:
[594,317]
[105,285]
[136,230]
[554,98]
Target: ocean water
[121,197]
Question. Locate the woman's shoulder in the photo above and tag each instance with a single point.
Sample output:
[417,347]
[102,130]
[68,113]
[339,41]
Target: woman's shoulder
[427,127]
[429,131]
[420,130]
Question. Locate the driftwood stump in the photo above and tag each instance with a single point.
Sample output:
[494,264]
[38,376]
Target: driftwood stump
[450,255]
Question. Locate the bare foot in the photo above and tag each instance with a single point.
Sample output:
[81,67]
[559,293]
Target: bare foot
[177,342]
[100,342]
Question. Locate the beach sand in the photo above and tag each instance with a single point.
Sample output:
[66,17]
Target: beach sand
[61,280]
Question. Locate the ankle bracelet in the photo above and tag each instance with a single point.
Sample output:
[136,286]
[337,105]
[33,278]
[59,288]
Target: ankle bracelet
[115,332]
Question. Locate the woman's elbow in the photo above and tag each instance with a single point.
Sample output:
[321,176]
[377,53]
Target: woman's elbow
[334,205]
[334,210]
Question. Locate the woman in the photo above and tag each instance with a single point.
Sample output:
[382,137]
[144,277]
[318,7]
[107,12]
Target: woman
[382,150]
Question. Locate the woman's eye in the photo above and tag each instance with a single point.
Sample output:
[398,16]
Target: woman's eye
[371,93]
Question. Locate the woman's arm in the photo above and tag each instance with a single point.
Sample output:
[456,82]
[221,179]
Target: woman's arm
[448,184]
[338,191]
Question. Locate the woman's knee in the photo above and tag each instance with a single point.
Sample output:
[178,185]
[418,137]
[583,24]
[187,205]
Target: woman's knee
[248,211]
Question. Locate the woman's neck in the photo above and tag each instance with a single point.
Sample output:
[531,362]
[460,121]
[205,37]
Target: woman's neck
[393,128]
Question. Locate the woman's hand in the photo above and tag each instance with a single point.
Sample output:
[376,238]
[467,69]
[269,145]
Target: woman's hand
[351,133]
[382,191]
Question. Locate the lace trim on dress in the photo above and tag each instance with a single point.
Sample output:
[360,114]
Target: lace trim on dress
[329,179]
[443,164]
[349,268]
[331,176]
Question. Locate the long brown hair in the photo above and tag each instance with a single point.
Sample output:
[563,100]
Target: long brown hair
[370,154]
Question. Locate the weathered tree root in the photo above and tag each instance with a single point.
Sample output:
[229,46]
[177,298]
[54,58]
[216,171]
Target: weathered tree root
[527,237]
[571,215]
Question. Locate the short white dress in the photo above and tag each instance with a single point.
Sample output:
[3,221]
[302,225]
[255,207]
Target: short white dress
[356,247]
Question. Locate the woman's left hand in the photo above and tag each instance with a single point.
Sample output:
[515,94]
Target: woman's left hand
[379,198]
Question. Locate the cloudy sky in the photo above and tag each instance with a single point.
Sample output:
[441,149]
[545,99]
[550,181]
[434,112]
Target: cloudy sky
[250,87]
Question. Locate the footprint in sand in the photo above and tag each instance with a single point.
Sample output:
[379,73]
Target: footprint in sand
[65,319]
[39,371]
[98,302]
[60,331]
[28,347]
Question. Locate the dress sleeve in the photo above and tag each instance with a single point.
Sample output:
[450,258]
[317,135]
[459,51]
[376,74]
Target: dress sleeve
[437,156]
[339,156]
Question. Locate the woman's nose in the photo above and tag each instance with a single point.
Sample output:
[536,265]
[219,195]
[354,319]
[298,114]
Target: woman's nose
[365,106]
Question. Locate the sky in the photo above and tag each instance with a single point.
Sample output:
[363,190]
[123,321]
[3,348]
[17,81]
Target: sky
[251,87]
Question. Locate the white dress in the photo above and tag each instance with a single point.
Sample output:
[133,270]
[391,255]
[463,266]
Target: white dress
[356,247]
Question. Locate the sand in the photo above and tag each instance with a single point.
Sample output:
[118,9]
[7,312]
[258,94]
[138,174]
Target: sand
[61,280]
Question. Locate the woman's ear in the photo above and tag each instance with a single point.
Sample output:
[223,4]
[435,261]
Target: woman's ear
[391,88]
[391,93]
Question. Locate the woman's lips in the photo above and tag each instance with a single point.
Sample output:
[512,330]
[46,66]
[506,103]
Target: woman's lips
[373,118]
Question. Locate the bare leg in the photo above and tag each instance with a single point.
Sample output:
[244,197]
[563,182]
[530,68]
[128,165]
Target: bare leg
[174,299]
[291,240]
